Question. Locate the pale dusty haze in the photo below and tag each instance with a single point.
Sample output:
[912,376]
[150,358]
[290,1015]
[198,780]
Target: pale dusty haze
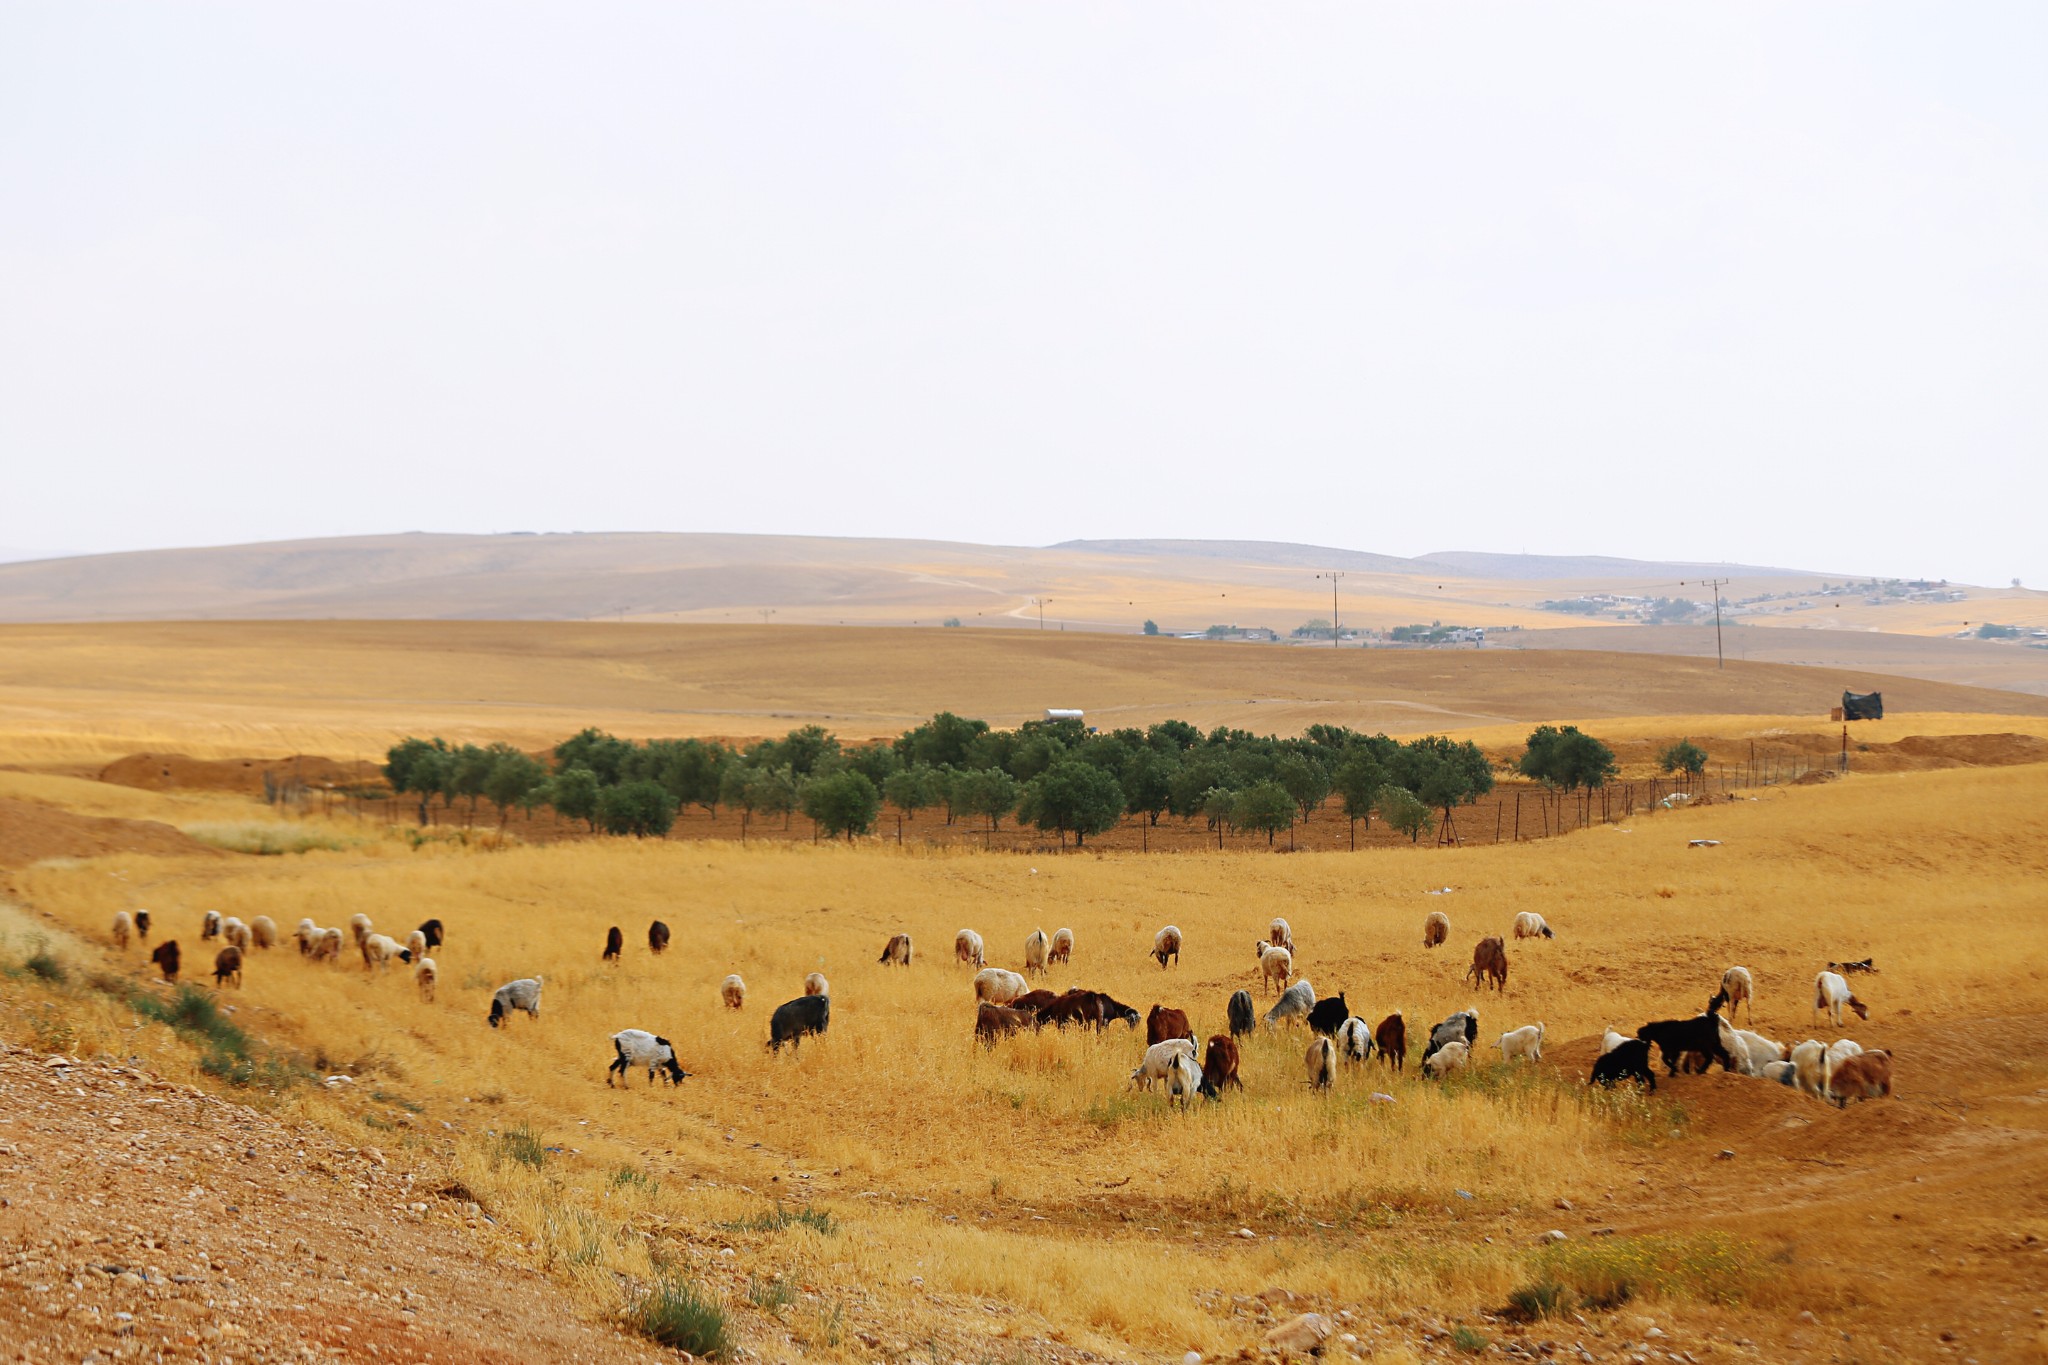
[1757,283]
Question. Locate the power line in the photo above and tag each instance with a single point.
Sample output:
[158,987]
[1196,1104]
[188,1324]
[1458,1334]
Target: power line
[1333,575]
[1720,660]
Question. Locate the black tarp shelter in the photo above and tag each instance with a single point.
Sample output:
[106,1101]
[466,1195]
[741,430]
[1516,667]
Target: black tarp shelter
[1863,706]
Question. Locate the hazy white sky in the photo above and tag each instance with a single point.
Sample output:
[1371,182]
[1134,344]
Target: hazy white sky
[1750,282]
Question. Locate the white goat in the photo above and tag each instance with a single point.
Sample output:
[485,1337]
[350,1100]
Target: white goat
[1036,947]
[359,927]
[306,933]
[1294,1003]
[816,984]
[1062,946]
[1611,1040]
[1739,986]
[1354,1040]
[1808,1066]
[1449,1057]
[1830,993]
[1159,1059]
[1280,934]
[636,1047]
[235,933]
[998,986]
[1526,1041]
[1166,943]
[124,925]
[1276,965]
[210,926]
[378,950]
[733,991]
[416,945]
[967,947]
[1183,1080]
[424,975]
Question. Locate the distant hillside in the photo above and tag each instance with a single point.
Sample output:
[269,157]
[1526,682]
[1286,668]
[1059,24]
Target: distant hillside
[1571,568]
[1256,552]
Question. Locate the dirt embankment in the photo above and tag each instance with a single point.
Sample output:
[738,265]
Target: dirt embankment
[245,776]
[147,1220]
[31,832]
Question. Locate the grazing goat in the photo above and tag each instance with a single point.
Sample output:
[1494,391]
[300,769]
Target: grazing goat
[1162,1023]
[307,934]
[235,933]
[1035,1000]
[1354,1041]
[1322,1064]
[614,944]
[1630,1060]
[1165,944]
[1390,1040]
[1752,1051]
[795,1018]
[1436,929]
[816,984]
[209,927]
[142,925]
[1450,1057]
[1294,1003]
[1159,1059]
[523,994]
[327,946]
[733,991]
[1701,1034]
[1219,1067]
[378,950]
[657,938]
[1489,964]
[1830,993]
[1740,988]
[1866,1076]
[1611,1040]
[1462,1027]
[1062,946]
[227,966]
[1526,1041]
[1184,1081]
[425,975]
[1276,965]
[1036,948]
[1809,1066]
[1088,1007]
[358,928]
[263,932]
[166,959]
[415,946]
[434,932]
[1280,935]
[1784,1073]
[124,925]
[1328,1014]
[1529,924]
[896,952]
[998,986]
[637,1047]
[967,947]
[993,1021]
[1241,1013]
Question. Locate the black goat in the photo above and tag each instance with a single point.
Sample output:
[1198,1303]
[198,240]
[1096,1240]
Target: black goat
[1329,1015]
[1242,1013]
[1629,1060]
[1701,1034]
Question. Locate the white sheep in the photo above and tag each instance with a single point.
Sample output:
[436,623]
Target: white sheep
[416,945]
[327,946]
[306,933]
[1166,943]
[1529,924]
[997,986]
[209,927]
[1739,986]
[1036,947]
[1808,1066]
[1830,993]
[1354,1041]
[1276,965]
[1752,1051]
[1526,1041]
[967,947]
[1294,1003]
[235,933]
[1611,1040]
[1436,928]
[424,975]
[1280,934]
[637,1047]
[1183,1080]
[523,994]
[1784,1073]
[1159,1060]
[1062,946]
[263,931]
[816,984]
[1321,1060]
[124,925]
[378,950]
[733,991]
[1449,1057]
[359,927]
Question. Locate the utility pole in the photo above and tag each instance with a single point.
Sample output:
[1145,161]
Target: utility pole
[1040,602]
[1333,575]
[1720,660]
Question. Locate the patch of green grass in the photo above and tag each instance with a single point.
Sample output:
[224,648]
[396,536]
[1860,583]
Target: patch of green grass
[1468,1341]
[263,839]
[397,1101]
[680,1314]
[632,1177]
[41,963]
[770,1296]
[817,1220]
[1609,1271]
[1543,1299]
[522,1145]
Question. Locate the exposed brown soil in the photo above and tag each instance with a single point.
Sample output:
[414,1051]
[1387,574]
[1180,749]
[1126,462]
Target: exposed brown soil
[30,832]
[244,776]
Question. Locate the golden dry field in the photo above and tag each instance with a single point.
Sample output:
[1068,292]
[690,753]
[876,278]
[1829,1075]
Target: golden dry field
[893,1191]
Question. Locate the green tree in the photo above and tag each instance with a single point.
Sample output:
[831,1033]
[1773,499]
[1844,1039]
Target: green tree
[1072,797]
[1151,627]
[1306,781]
[913,788]
[512,779]
[414,766]
[1684,757]
[1216,806]
[1264,806]
[1360,775]
[1148,781]
[1442,772]
[940,742]
[807,750]
[469,768]
[773,791]
[605,755]
[986,791]
[573,792]
[876,762]
[640,808]
[842,803]
[1403,810]
[692,769]
[1567,758]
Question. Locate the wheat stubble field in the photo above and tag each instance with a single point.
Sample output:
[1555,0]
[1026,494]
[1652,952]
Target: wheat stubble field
[894,1192]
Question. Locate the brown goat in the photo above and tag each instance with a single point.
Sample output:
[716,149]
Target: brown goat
[614,944]
[1866,1076]
[227,966]
[1219,1067]
[1034,1001]
[166,959]
[994,1021]
[1391,1038]
[657,938]
[1162,1023]
[1489,964]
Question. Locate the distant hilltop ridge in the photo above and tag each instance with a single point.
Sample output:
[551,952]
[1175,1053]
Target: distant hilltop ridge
[712,577]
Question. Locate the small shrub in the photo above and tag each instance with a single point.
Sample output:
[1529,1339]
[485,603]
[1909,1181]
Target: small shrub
[634,1178]
[679,1314]
[770,1296]
[1609,1272]
[817,1220]
[1468,1341]
[41,963]
[520,1144]
[1543,1299]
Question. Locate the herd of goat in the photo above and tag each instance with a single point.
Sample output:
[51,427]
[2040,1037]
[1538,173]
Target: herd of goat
[1006,1003]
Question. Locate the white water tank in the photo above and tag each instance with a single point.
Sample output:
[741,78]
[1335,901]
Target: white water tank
[1057,713]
